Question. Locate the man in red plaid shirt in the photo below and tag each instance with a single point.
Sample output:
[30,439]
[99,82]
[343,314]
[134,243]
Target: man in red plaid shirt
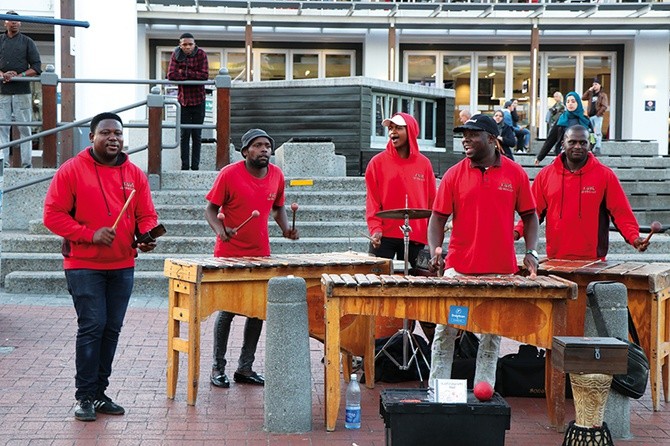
[188,62]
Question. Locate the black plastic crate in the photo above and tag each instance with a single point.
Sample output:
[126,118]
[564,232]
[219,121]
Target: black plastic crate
[411,419]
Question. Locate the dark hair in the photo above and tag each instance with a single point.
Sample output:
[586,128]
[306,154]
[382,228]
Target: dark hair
[186,36]
[12,13]
[102,116]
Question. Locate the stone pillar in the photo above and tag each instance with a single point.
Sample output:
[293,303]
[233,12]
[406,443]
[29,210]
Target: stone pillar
[288,373]
[612,299]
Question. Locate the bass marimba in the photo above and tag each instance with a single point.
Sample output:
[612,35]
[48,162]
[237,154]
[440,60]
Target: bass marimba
[198,287]
[527,310]
[648,287]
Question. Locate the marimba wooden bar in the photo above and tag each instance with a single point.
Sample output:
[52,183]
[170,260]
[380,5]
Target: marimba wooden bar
[648,287]
[199,287]
[527,310]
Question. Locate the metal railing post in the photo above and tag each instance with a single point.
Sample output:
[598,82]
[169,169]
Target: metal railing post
[155,103]
[222,82]
[49,80]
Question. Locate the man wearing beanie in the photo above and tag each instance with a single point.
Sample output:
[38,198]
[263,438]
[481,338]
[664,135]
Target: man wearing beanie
[481,192]
[241,189]
[598,105]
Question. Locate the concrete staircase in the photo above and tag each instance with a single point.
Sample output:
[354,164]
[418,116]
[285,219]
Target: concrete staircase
[331,218]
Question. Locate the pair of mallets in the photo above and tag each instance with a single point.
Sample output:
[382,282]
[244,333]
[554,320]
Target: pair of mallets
[221,216]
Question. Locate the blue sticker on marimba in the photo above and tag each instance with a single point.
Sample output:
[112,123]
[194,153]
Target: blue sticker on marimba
[458,315]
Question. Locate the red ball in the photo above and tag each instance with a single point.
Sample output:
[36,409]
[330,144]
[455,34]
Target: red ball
[483,391]
[656,226]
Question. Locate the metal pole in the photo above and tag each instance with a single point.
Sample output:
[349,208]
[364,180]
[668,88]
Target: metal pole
[222,82]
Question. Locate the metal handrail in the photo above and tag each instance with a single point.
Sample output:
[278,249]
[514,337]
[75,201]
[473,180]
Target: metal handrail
[50,176]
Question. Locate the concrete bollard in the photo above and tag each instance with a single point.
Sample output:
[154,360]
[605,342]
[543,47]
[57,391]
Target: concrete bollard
[288,373]
[612,299]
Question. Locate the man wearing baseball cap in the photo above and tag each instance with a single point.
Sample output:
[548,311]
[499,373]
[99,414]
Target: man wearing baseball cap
[598,105]
[481,192]
[246,188]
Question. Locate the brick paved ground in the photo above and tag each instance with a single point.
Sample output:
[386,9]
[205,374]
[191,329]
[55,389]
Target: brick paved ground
[36,391]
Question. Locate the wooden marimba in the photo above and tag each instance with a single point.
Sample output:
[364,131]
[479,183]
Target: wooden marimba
[199,287]
[648,287]
[527,310]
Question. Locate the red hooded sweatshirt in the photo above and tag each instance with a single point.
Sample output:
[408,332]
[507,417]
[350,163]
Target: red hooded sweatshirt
[390,178]
[85,196]
[578,206]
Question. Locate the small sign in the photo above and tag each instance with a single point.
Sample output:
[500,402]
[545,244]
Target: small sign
[458,315]
[649,105]
[451,391]
[305,182]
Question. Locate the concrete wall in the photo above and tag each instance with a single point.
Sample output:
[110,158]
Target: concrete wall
[649,49]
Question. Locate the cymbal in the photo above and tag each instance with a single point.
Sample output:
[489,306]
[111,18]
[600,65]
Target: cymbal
[400,213]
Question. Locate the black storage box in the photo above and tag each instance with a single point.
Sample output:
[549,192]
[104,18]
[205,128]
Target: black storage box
[411,419]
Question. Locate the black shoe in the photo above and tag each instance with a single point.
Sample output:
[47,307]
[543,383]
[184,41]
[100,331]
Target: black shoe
[85,410]
[219,379]
[195,168]
[254,378]
[104,404]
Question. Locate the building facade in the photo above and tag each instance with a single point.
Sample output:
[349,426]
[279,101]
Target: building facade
[487,52]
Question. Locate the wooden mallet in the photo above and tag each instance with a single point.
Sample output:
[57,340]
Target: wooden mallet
[123,209]
[294,208]
[654,227]
[254,214]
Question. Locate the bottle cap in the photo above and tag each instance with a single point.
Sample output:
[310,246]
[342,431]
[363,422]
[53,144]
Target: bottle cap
[354,376]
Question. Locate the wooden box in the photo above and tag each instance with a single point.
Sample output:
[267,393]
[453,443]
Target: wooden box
[573,354]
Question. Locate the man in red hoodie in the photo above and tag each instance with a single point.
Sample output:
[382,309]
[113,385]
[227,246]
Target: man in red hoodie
[577,195]
[85,205]
[396,178]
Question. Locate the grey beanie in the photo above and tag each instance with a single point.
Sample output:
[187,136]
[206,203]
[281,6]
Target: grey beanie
[252,134]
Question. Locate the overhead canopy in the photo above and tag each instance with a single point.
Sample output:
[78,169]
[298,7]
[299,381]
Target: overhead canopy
[420,15]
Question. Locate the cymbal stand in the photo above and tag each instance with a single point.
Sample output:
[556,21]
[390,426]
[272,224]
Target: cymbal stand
[408,342]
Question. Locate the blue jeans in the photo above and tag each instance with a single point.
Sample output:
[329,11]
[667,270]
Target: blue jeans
[597,124]
[100,299]
[252,333]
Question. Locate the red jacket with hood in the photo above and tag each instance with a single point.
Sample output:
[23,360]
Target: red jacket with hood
[85,196]
[390,178]
[577,207]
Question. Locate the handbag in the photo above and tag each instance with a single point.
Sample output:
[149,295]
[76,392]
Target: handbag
[633,384]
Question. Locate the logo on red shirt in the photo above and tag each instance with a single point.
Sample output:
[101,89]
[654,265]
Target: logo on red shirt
[419,177]
[507,187]
[589,190]
[272,196]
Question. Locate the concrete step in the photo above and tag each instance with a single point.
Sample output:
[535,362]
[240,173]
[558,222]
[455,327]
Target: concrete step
[624,175]
[305,213]
[300,196]
[147,283]
[184,180]
[615,162]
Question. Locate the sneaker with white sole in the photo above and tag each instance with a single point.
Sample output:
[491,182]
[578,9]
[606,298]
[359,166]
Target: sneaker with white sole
[104,404]
[85,410]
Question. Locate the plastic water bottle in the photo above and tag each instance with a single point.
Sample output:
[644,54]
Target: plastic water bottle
[353,404]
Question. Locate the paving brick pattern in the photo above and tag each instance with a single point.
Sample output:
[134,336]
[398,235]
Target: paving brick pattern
[37,337]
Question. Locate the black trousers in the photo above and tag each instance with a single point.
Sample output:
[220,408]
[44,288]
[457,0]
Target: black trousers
[191,114]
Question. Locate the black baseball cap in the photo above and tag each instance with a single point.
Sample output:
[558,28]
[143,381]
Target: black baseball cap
[480,122]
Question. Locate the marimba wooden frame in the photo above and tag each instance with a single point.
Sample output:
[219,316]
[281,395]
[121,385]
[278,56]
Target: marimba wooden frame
[648,286]
[432,303]
[196,290]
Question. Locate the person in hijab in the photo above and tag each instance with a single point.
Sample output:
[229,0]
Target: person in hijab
[573,115]
[506,138]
